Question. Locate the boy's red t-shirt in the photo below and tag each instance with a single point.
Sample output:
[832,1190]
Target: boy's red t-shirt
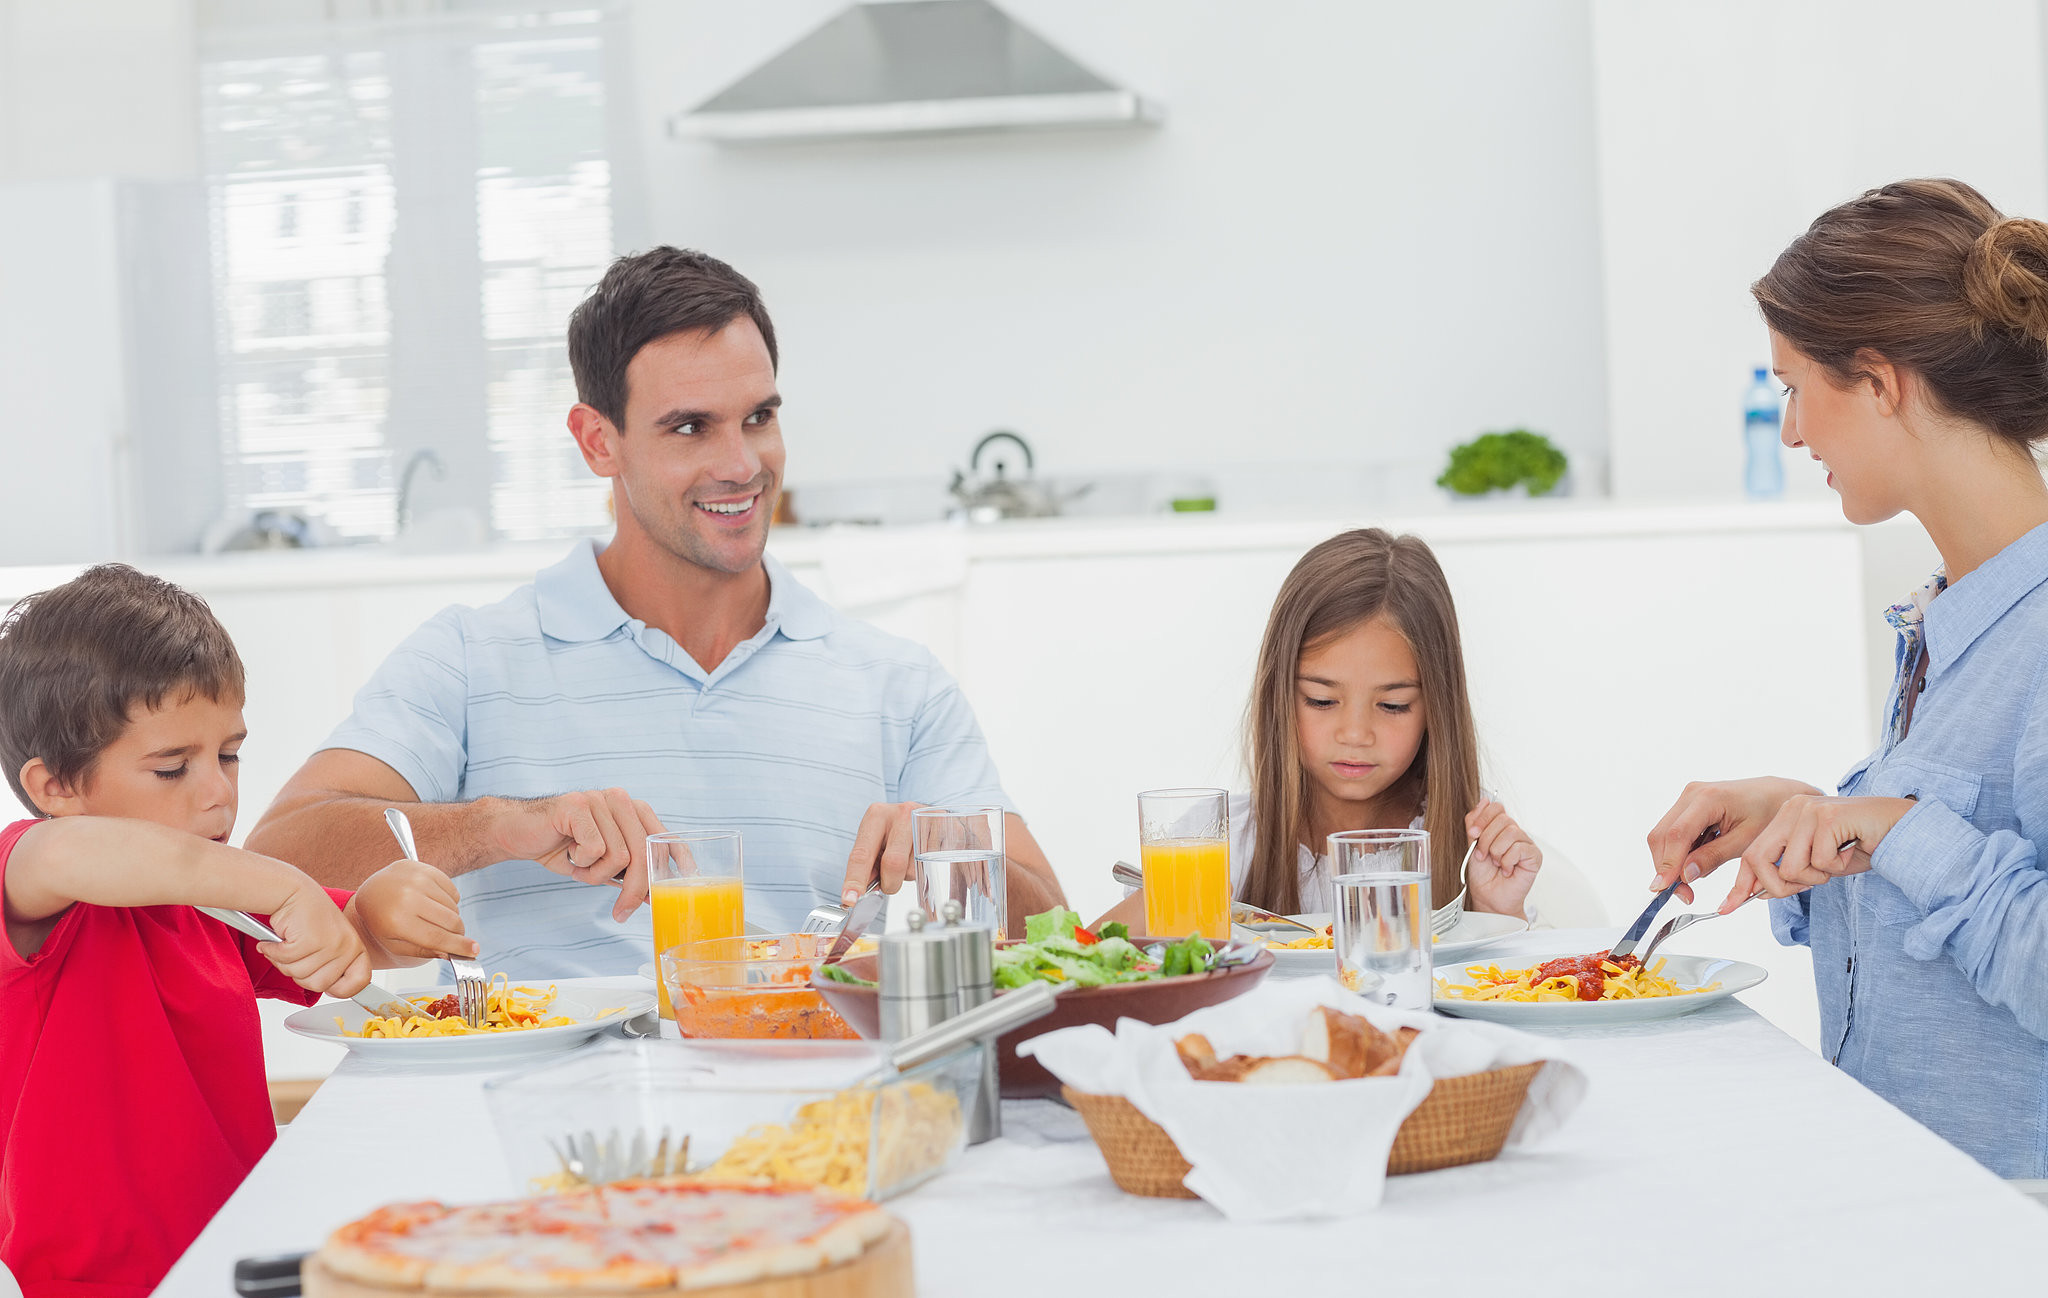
[132,1093]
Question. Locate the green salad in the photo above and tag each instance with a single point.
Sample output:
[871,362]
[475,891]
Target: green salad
[1058,948]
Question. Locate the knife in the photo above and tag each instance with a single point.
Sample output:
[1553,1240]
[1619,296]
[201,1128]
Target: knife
[372,997]
[860,917]
[1631,939]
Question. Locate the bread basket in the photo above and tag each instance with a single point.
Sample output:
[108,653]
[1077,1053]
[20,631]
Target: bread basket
[1461,1120]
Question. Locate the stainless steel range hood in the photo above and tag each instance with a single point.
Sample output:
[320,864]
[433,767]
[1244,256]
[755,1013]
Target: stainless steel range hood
[911,68]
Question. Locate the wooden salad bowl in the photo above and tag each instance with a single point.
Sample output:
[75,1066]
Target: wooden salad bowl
[1160,1000]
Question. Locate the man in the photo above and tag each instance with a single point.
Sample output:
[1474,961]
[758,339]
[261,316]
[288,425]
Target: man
[677,676]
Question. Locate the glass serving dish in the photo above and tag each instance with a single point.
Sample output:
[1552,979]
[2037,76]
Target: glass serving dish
[794,1114]
[752,987]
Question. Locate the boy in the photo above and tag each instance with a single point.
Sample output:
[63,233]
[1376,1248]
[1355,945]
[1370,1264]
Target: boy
[132,1092]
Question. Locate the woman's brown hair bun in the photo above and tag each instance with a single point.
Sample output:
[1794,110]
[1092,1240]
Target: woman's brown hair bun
[1933,278]
[2005,277]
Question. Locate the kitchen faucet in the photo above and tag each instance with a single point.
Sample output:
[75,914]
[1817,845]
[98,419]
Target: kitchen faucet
[425,455]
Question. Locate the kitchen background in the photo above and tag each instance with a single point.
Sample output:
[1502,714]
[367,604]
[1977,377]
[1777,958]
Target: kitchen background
[281,270]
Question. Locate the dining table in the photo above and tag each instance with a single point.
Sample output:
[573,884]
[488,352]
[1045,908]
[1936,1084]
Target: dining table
[1712,1154]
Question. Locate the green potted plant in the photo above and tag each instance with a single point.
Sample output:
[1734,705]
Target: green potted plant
[1500,462]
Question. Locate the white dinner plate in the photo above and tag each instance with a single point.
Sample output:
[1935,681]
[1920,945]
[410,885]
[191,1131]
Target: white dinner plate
[1474,929]
[1686,970]
[594,1010]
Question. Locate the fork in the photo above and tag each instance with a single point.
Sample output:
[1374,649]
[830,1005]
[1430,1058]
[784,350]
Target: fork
[600,1162]
[1679,923]
[472,984]
[1445,918]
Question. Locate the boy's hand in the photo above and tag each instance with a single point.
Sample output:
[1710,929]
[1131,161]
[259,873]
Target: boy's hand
[321,951]
[411,912]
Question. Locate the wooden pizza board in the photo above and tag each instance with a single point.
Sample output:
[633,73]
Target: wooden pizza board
[882,1271]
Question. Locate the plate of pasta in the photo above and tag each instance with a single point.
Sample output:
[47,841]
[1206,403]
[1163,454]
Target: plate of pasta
[524,1019]
[1588,988]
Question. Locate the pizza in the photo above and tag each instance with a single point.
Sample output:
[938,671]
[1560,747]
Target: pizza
[618,1238]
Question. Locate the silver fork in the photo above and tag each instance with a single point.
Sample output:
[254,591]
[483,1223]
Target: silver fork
[1679,923]
[617,1158]
[1446,916]
[472,984]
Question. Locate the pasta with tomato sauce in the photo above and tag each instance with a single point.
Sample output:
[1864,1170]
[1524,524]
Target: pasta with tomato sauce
[1594,977]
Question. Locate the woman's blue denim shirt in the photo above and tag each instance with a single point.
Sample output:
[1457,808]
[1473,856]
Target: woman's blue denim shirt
[1933,965]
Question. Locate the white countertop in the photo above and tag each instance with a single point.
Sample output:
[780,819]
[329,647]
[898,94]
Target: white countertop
[1712,1156]
[342,566]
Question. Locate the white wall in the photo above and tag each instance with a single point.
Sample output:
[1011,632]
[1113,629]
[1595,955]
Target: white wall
[1365,232]
[1724,129]
[95,88]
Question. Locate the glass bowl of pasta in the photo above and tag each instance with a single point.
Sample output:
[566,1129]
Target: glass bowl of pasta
[523,1019]
[1589,988]
[752,987]
[807,1119]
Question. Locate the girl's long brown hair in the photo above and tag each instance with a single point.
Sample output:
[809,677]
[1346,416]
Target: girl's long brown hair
[1344,582]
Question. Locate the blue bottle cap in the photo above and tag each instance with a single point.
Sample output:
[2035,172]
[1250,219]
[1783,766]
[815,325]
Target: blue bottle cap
[1763,371]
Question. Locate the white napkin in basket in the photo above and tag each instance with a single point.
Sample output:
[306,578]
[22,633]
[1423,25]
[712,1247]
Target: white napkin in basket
[1269,1153]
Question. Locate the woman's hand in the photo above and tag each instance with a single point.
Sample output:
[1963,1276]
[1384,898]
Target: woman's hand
[1713,823]
[1811,840]
[1504,862]
[408,912]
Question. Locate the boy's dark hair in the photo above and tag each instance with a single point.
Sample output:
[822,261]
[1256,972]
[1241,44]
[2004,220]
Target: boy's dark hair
[77,660]
[650,295]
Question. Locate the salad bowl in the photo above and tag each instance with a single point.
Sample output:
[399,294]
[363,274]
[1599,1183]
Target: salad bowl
[1155,1000]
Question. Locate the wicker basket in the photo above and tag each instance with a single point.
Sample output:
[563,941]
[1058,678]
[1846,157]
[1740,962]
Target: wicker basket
[1462,1120]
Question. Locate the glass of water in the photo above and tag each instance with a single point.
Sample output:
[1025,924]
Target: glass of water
[959,857]
[1382,931]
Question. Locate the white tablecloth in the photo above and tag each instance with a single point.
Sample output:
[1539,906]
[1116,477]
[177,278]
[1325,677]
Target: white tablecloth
[1713,1156]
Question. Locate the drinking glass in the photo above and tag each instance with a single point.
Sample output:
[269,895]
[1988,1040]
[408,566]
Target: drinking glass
[1184,844]
[1383,933]
[695,880]
[958,856]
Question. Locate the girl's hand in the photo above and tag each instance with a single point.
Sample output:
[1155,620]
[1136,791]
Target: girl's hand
[1713,823]
[1504,864]
[321,951]
[408,912]
[1811,840]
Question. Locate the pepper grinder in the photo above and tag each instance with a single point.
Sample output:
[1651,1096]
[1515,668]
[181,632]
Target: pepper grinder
[974,950]
[920,979]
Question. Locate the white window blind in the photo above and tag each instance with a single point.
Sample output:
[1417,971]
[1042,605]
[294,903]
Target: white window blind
[321,163]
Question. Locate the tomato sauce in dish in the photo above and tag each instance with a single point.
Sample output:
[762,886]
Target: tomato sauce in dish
[1587,969]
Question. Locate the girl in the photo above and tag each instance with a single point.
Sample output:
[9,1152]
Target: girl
[1359,720]
[1910,328]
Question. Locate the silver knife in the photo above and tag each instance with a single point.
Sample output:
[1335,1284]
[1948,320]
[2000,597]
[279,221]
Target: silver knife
[860,917]
[1631,939]
[372,997]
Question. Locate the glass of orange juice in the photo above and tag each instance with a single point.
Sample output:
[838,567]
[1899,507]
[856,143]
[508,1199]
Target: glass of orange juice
[1184,843]
[695,881]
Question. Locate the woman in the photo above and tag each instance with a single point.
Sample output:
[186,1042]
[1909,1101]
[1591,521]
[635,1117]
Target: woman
[1910,328]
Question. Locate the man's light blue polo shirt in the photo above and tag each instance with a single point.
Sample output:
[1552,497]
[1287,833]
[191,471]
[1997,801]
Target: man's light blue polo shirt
[556,688]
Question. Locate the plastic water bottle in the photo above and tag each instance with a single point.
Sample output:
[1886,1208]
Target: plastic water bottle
[1765,473]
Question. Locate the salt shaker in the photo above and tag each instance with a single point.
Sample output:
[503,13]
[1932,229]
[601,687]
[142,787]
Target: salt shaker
[974,949]
[920,979]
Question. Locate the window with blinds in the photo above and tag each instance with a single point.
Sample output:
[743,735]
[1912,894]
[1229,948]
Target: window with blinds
[337,173]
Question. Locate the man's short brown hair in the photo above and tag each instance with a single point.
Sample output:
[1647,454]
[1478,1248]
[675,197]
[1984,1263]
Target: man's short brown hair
[77,660]
[650,295]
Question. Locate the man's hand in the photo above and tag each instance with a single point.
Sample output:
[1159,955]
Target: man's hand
[591,836]
[881,850]
[409,912]
[321,950]
[1711,824]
